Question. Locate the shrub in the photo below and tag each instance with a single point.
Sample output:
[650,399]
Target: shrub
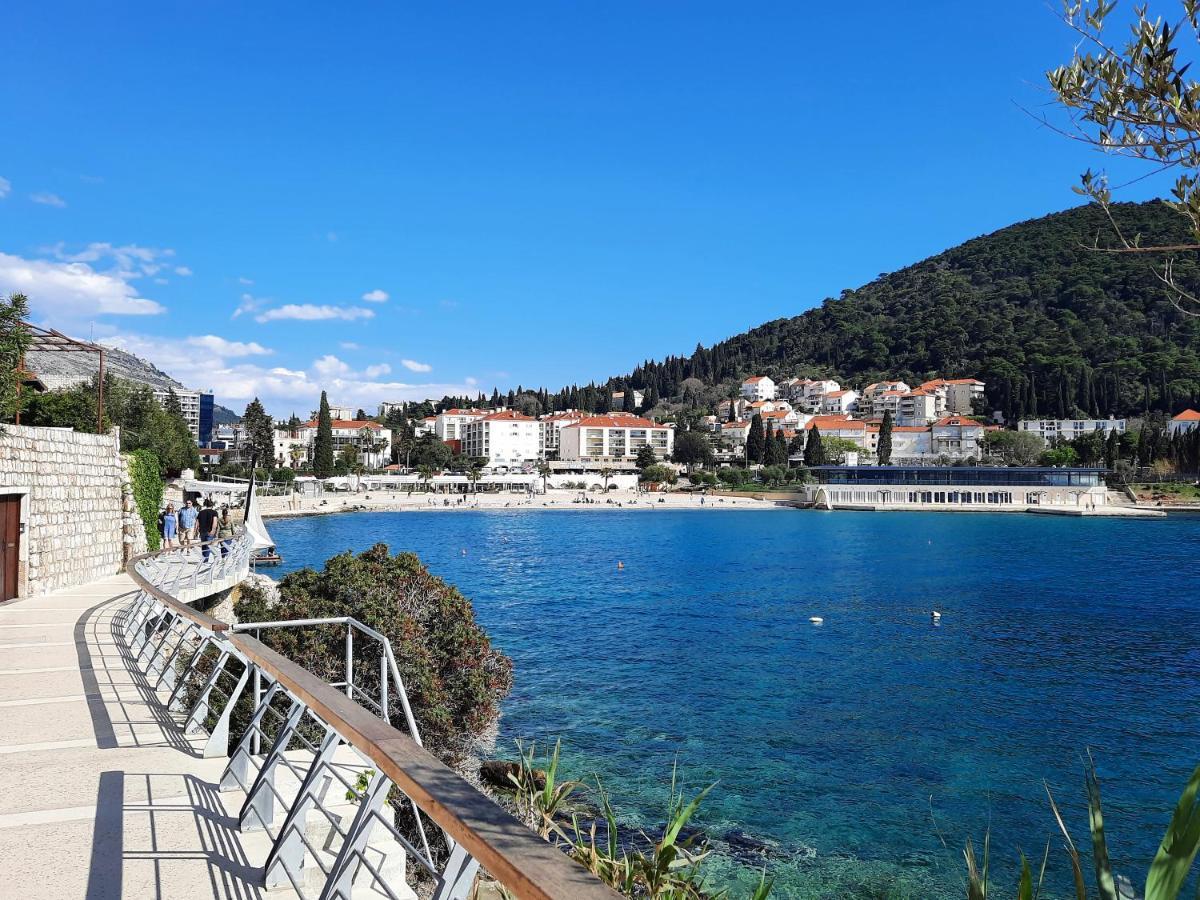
[659,473]
[454,677]
[147,487]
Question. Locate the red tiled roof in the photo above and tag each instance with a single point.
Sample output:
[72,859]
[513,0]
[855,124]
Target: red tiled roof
[835,423]
[958,420]
[615,421]
[1188,415]
[508,415]
[464,412]
[754,379]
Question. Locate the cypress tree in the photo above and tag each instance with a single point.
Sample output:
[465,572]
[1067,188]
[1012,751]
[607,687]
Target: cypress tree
[1112,449]
[780,455]
[796,448]
[627,404]
[755,440]
[814,451]
[323,444]
[884,450]
[260,431]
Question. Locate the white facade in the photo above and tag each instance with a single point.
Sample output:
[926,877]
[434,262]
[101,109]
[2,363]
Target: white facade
[550,430]
[388,405]
[814,393]
[345,413]
[449,425]
[759,387]
[506,438]
[1068,429]
[372,441]
[920,407]
[614,438]
[837,402]
[1184,422]
[189,404]
[618,399]
[957,437]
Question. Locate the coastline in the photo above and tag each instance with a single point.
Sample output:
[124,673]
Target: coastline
[378,501]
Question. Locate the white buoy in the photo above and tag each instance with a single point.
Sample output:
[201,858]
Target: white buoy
[936,616]
[816,620]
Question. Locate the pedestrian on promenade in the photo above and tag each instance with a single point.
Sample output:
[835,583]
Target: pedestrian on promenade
[225,530]
[206,521]
[187,524]
[168,524]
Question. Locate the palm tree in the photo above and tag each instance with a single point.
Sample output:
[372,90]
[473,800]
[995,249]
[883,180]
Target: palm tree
[295,454]
[543,469]
[606,473]
[426,475]
[474,473]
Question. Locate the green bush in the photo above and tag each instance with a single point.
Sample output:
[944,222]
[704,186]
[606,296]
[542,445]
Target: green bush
[454,677]
[147,487]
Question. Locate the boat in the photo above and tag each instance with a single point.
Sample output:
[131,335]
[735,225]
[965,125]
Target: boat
[263,552]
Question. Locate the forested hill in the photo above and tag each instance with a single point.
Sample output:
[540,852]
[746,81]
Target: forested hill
[1053,328]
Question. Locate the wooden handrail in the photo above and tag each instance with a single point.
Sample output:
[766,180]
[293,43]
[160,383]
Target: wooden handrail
[515,856]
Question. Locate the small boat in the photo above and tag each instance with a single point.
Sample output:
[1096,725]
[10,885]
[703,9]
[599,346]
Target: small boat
[816,620]
[267,557]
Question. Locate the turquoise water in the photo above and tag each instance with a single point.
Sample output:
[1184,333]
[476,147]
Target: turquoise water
[851,746]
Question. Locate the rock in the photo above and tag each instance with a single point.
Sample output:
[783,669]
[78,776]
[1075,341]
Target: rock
[496,771]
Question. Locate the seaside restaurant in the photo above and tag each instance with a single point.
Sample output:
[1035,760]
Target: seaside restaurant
[956,487]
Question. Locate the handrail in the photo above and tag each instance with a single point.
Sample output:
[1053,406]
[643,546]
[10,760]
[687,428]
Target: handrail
[528,866]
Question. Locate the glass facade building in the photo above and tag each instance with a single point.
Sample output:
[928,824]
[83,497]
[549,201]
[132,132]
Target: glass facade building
[960,476]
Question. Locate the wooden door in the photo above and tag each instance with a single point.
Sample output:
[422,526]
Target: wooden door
[10,544]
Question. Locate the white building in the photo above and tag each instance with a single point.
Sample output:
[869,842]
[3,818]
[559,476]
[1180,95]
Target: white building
[957,437]
[839,402]
[1069,429]
[920,407]
[958,395]
[189,405]
[735,432]
[345,413]
[758,387]
[505,439]
[843,427]
[814,393]
[550,428]
[372,441]
[1184,422]
[618,399]
[449,425]
[388,405]
[614,438]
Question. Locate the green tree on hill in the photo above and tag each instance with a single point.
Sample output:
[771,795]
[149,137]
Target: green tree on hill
[260,433]
[756,442]
[323,443]
[883,449]
[814,449]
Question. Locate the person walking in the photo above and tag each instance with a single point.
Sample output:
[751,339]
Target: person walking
[168,525]
[206,521]
[187,524]
[225,530]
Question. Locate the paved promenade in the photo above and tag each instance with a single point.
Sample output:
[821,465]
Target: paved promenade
[101,793]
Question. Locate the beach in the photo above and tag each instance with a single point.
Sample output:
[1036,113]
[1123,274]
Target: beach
[335,502]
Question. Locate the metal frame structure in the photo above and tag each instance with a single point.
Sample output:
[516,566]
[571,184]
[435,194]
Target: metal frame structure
[319,740]
[47,340]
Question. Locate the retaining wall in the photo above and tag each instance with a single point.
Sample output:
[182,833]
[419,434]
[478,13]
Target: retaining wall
[76,505]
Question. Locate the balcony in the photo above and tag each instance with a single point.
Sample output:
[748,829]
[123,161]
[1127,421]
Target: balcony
[150,750]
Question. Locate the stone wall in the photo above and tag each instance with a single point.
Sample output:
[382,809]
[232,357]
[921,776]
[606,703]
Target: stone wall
[76,505]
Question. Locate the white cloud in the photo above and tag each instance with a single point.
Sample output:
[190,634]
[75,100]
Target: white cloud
[413,366]
[127,260]
[244,280]
[5,188]
[161,281]
[66,294]
[376,296]
[329,366]
[349,345]
[248,303]
[183,270]
[223,348]
[311,312]
[471,381]
[215,365]
[377,370]
[45,198]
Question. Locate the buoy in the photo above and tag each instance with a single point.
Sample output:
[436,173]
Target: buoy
[936,616]
[816,620]
[620,565]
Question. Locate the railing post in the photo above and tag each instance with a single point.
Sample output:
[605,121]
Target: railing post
[236,772]
[286,859]
[199,713]
[340,882]
[174,701]
[218,739]
[458,875]
[383,685]
[260,799]
[349,660]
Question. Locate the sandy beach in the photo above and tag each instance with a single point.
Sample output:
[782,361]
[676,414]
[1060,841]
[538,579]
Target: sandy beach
[553,499]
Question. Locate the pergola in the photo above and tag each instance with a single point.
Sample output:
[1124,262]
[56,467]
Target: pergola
[47,340]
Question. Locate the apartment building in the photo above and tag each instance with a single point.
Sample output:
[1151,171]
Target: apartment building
[1050,430]
[614,438]
[920,407]
[958,395]
[505,439]
[758,387]
[550,428]
[839,402]
[372,441]
[448,425]
[197,408]
[957,437]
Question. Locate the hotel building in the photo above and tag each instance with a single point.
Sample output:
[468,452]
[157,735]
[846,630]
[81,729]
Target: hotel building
[614,438]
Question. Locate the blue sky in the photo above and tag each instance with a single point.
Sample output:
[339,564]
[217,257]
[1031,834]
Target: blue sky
[545,193]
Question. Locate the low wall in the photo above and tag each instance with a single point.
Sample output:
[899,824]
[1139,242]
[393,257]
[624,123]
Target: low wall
[76,505]
[780,496]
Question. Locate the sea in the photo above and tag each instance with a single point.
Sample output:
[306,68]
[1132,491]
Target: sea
[854,757]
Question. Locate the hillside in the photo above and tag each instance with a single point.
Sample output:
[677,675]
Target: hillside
[1050,326]
[60,370]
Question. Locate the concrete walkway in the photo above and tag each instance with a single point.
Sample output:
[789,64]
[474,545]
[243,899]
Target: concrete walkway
[101,793]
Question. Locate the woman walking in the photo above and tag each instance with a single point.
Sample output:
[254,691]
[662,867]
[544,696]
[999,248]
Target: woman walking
[225,530]
[168,524]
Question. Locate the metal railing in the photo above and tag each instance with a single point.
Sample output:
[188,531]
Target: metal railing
[320,740]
